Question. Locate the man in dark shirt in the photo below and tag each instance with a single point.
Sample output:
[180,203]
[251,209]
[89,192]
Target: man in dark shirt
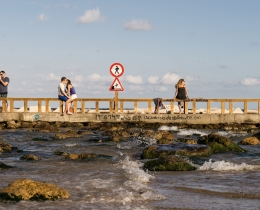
[4,81]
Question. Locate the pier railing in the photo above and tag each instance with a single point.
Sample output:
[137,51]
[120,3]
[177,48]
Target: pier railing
[117,105]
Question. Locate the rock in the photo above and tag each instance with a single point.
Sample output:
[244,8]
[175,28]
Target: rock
[178,148]
[164,135]
[26,124]
[219,143]
[66,135]
[4,166]
[250,141]
[29,157]
[168,163]
[25,189]
[61,153]
[5,147]
[13,125]
[187,141]
[85,132]
[81,156]
[43,138]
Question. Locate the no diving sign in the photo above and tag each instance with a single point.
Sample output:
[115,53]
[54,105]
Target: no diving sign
[116,69]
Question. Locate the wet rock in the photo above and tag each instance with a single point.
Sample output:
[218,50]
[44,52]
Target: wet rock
[43,138]
[164,135]
[187,141]
[85,132]
[81,156]
[4,166]
[250,141]
[26,189]
[5,147]
[29,157]
[168,163]
[219,143]
[66,135]
[156,151]
[61,153]
[13,125]
[26,124]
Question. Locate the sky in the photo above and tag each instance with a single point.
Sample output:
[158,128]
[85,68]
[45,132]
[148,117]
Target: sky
[213,45]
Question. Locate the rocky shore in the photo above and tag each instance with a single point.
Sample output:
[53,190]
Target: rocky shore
[162,150]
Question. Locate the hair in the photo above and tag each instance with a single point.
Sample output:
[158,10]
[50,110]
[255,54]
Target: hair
[62,79]
[2,72]
[179,83]
[68,83]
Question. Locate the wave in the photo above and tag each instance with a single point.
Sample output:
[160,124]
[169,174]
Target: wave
[184,132]
[167,128]
[226,166]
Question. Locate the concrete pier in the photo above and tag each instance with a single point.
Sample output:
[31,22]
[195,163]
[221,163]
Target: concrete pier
[145,118]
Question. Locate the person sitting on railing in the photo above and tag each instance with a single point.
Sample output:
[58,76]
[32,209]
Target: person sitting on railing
[158,104]
[181,93]
[72,93]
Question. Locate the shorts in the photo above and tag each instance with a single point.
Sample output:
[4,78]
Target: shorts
[3,95]
[73,96]
[62,98]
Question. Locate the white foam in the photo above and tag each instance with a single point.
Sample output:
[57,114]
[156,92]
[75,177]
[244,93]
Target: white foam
[167,128]
[226,166]
[71,144]
[231,134]
[184,132]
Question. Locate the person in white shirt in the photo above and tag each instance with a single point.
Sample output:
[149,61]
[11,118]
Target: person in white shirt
[62,95]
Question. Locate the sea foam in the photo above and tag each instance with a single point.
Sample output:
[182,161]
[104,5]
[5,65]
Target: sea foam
[226,166]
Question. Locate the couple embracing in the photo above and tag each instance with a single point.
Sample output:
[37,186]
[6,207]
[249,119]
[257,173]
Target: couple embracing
[66,93]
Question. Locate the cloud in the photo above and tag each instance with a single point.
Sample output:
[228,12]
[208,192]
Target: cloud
[250,81]
[153,80]
[161,88]
[170,79]
[52,77]
[134,79]
[97,79]
[138,25]
[91,16]
[190,79]
[42,17]
[135,87]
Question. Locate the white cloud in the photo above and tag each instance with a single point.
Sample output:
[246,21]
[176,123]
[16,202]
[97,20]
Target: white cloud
[52,77]
[170,79]
[91,16]
[134,79]
[78,79]
[161,88]
[138,25]
[190,79]
[250,81]
[97,79]
[135,87]
[42,17]
[153,80]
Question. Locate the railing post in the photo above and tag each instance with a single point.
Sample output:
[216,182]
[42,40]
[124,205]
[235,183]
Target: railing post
[258,107]
[11,105]
[230,107]
[47,105]
[82,106]
[208,106]
[121,106]
[25,105]
[222,107]
[39,105]
[172,107]
[194,106]
[75,106]
[135,107]
[4,107]
[150,107]
[186,106]
[245,107]
[111,106]
[97,106]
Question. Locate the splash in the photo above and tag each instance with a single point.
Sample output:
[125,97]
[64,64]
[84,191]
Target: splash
[184,132]
[167,128]
[226,166]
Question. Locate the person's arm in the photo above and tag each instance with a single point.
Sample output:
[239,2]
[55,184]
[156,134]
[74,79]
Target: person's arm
[176,93]
[4,83]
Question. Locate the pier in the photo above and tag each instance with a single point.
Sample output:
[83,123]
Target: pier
[115,110]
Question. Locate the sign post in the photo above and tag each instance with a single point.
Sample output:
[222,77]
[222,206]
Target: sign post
[116,70]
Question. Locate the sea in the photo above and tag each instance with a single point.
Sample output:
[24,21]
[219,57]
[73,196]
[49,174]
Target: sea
[116,179]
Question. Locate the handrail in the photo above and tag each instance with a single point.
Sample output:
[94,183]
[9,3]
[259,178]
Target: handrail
[113,104]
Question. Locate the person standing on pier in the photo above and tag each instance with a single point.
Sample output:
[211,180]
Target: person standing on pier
[4,81]
[72,93]
[181,93]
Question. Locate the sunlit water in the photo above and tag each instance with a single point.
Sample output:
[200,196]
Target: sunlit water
[116,180]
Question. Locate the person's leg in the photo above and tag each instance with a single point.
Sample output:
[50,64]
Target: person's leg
[179,105]
[67,106]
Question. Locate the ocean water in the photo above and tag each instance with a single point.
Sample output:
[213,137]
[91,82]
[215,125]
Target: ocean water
[116,180]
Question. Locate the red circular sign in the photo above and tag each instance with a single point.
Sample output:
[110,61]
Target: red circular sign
[116,69]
